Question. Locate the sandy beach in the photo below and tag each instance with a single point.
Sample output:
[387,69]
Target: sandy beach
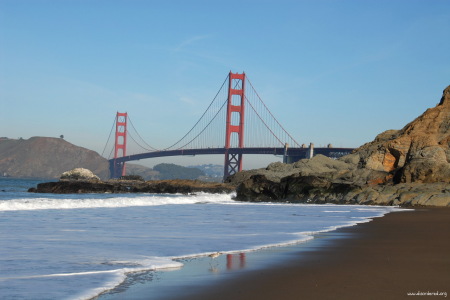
[392,257]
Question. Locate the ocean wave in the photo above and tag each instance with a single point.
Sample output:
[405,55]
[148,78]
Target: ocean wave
[110,278]
[84,202]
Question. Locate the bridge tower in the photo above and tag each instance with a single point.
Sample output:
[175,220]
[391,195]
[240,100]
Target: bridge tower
[235,122]
[118,169]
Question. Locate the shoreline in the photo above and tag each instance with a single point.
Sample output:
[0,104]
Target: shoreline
[203,270]
[388,257]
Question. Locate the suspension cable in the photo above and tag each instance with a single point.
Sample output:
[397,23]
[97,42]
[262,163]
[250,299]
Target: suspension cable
[265,124]
[205,126]
[134,140]
[150,147]
[110,154]
[272,114]
[112,128]
[201,116]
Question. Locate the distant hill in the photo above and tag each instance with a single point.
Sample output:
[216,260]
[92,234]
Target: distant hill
[171,171]
[210,170]
[46,157]
[145,172]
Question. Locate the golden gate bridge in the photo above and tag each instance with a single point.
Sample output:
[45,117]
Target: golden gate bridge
[235,123]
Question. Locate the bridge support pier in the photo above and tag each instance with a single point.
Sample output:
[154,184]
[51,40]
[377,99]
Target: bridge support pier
[285,154]
[310,152]
[233,164]
[116,169]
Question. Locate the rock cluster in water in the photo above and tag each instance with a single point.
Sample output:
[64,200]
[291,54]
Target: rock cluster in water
[80,180]
[131,186]
[408,167]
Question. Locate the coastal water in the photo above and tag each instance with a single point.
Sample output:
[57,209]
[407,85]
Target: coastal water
[78,246]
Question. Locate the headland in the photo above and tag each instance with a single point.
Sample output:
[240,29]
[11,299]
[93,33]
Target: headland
[408,167]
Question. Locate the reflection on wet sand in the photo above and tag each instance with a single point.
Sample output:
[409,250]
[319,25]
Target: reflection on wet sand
[235,261]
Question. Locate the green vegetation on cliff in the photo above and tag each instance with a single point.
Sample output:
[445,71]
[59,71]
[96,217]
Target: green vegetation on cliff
[172,171]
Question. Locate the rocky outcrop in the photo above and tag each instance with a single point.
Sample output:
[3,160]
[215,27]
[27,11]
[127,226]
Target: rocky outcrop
[131,186]
[319,190]
[417,153]
[408,167]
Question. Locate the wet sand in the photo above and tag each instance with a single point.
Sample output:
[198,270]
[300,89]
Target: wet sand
[400,253]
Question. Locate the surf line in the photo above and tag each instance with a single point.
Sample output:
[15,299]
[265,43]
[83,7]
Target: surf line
[62,274]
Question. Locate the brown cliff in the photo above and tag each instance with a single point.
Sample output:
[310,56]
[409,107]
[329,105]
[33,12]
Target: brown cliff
[417,153]
[408,167]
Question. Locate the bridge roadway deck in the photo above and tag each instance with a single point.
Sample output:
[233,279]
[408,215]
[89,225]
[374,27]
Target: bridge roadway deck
[297,152]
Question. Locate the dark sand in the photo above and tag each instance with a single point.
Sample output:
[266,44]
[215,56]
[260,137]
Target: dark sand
[387,258]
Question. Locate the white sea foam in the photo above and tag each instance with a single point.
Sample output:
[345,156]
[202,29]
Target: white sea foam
[119,201]
[119,275]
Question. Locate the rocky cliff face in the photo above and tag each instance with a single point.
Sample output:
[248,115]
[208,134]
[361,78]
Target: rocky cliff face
[407,167]
[45,157]
[417,153]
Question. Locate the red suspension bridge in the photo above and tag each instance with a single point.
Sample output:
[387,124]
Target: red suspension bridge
[235,123]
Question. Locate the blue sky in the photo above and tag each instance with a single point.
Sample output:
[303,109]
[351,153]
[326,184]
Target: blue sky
[335,72]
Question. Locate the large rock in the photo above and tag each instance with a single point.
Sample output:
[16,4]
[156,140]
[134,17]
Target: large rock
[318,164]
[417,153]
[408,167]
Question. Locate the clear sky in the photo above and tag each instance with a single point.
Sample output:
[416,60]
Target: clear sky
[335,72]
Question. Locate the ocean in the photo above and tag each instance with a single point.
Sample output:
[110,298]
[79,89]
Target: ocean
[79,246]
